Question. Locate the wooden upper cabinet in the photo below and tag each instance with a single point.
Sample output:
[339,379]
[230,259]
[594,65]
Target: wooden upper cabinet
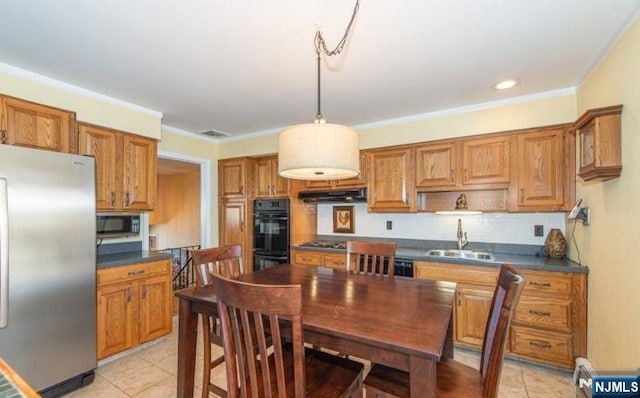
[125,167]
[391,180]
[103,145]
[139,173]
[600,146]
[358,181]
[486,160]
[38,126]
[464,164]
[232,177]
[436,165]
[541,169]
[267,181]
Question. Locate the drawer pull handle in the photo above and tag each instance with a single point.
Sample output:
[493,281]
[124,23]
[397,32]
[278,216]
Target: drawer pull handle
[540,344]
[136,273]
[538,284]
[539,313]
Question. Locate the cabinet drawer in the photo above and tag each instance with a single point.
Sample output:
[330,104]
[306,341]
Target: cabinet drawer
[477,275]
[307,258]
[542,345]
[135,271]
[547,283]
[335,261]
[544,313]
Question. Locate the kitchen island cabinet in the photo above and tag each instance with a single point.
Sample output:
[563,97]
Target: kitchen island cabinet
[134,305]
[549,323]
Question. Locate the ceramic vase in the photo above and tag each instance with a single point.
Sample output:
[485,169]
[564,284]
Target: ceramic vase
[555,244]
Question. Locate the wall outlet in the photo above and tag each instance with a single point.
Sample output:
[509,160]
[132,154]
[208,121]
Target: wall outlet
[389,225]
[538,230]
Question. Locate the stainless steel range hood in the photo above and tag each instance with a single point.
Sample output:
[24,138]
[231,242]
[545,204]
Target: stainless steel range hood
[345,195]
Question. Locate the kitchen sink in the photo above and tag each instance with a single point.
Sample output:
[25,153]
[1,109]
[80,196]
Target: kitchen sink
[464,254]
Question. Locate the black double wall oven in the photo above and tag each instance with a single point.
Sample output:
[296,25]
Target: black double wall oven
[270,233]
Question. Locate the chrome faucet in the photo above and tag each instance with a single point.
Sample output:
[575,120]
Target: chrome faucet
[462,236]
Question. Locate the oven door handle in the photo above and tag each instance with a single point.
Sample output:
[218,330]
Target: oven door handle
[268,218]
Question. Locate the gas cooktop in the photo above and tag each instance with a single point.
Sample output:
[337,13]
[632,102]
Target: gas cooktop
[329,244]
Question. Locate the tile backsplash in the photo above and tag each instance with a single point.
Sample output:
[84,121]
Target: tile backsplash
[513,228]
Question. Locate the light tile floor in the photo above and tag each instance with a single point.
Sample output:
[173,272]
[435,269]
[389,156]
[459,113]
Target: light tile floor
[151,372]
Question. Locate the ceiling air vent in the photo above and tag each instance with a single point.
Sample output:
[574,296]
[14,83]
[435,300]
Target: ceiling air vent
[215,134]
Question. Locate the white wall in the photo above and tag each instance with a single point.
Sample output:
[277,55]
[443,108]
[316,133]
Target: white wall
[610,244]
[513,228]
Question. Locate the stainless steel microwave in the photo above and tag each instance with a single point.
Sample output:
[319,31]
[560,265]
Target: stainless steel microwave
[111,225]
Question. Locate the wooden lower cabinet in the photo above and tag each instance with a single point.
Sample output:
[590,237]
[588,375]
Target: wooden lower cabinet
[549,323]
[236,227]
[319,259]
[134,305]
[472,309]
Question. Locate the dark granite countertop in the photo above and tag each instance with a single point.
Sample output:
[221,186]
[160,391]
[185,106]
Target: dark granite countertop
[521,256]
[126,253]
[127,258]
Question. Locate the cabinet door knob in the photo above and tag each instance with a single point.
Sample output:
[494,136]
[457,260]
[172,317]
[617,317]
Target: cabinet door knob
[3,134]
[128,294]
[126,199]
[144,291]
[112,198]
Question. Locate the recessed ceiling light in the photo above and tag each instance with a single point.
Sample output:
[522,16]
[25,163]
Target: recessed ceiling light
[505,84]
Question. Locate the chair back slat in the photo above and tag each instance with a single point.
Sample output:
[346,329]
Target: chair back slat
[371,258]
[244,308]
[505,298]
[223,260]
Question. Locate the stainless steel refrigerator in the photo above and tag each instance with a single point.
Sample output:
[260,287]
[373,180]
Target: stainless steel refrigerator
[48,267]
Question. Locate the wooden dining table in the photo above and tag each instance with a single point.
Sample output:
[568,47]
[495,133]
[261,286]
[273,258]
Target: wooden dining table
[400,322]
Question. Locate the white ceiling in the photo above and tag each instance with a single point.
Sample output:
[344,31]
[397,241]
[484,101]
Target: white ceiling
[247,66]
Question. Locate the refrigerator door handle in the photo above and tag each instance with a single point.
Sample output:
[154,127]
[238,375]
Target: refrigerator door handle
[4,254]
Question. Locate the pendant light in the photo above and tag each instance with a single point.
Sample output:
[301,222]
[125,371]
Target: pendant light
[320,150]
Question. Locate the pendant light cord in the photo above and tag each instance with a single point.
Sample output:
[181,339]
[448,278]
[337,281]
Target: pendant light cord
[321,47]
[320,43]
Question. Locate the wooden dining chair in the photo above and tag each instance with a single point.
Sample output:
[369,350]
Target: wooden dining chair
[455,379]
[254,315]
[226,261]
[371,258]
